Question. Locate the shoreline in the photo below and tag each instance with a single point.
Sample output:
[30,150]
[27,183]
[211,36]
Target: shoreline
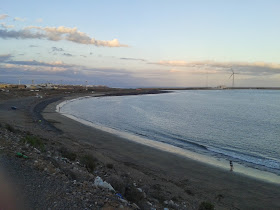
[221,163]
[161,176]
[170,165]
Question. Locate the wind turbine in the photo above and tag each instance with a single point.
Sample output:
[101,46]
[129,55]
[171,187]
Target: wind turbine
[232,75]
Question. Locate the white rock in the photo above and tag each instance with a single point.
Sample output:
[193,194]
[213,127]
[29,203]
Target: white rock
[171,202]
[98,182]
[139,189]
[135,206]
[122,200]
[36,150]
[149,203]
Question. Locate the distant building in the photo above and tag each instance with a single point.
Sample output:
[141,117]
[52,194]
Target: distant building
[4,86]
[18,86]
[221,87]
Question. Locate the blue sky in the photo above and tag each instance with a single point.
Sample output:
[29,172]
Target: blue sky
[141,43]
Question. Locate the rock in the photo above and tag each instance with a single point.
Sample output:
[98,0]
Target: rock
[123,200]
[98,182]
[135,206]
[133,194]
[139,189]
[117,183]
[149,203]
[37,151]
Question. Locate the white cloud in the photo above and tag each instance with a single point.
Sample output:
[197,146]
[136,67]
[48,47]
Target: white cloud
[172,63]
[39,20]
[218,64]
[4,57]
[3,25]
[176,71]
[18,19]
[249,68]
[57,34]
[3,16]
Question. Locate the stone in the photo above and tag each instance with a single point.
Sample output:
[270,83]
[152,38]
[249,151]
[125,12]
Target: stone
[98,182]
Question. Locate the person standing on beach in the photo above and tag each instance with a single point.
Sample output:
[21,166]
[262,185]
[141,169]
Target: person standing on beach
[231,165]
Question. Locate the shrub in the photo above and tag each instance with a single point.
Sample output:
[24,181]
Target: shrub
[110,165]
[10,128]
[34,141]
[67,154]
[205,205]
[89,162]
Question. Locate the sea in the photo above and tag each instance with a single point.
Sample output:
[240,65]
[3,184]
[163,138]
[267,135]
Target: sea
[212,126]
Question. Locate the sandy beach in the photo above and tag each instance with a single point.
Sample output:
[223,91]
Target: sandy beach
[162,176]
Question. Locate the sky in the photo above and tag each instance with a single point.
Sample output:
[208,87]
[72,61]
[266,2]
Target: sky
[147,43]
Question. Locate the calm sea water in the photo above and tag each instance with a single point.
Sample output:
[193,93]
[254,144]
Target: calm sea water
[238,125]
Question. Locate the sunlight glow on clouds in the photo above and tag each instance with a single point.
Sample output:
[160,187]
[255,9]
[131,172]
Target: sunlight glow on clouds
[39,20]
[19,19]
[57,34]
[3,25]
[246,68]
[3,16]
[78,43]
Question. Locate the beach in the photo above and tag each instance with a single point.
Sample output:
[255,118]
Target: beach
[164,177]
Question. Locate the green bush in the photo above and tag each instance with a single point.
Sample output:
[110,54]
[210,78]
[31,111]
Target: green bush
[205,205]
[89,161]
[35,142]
[110,165]
[67,154]
[10,128]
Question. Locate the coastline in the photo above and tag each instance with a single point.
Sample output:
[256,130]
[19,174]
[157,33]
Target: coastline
[221,163]
[161,175]
[171,167]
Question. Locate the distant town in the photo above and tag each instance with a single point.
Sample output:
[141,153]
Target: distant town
[50,86]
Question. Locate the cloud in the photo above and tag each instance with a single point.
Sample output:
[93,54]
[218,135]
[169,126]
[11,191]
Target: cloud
[246,68]
[33,45]
[5,57]
[171,63]
[84,56]
[58,65]
[57,34]
[18,19]
[3,16]
[69,73]
[55,49]
[67,54]
[21,34]
[3,25]
[176,71]
[133,59]
[39,20]
[40,63]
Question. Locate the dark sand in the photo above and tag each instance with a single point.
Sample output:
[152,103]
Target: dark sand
[161,174]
